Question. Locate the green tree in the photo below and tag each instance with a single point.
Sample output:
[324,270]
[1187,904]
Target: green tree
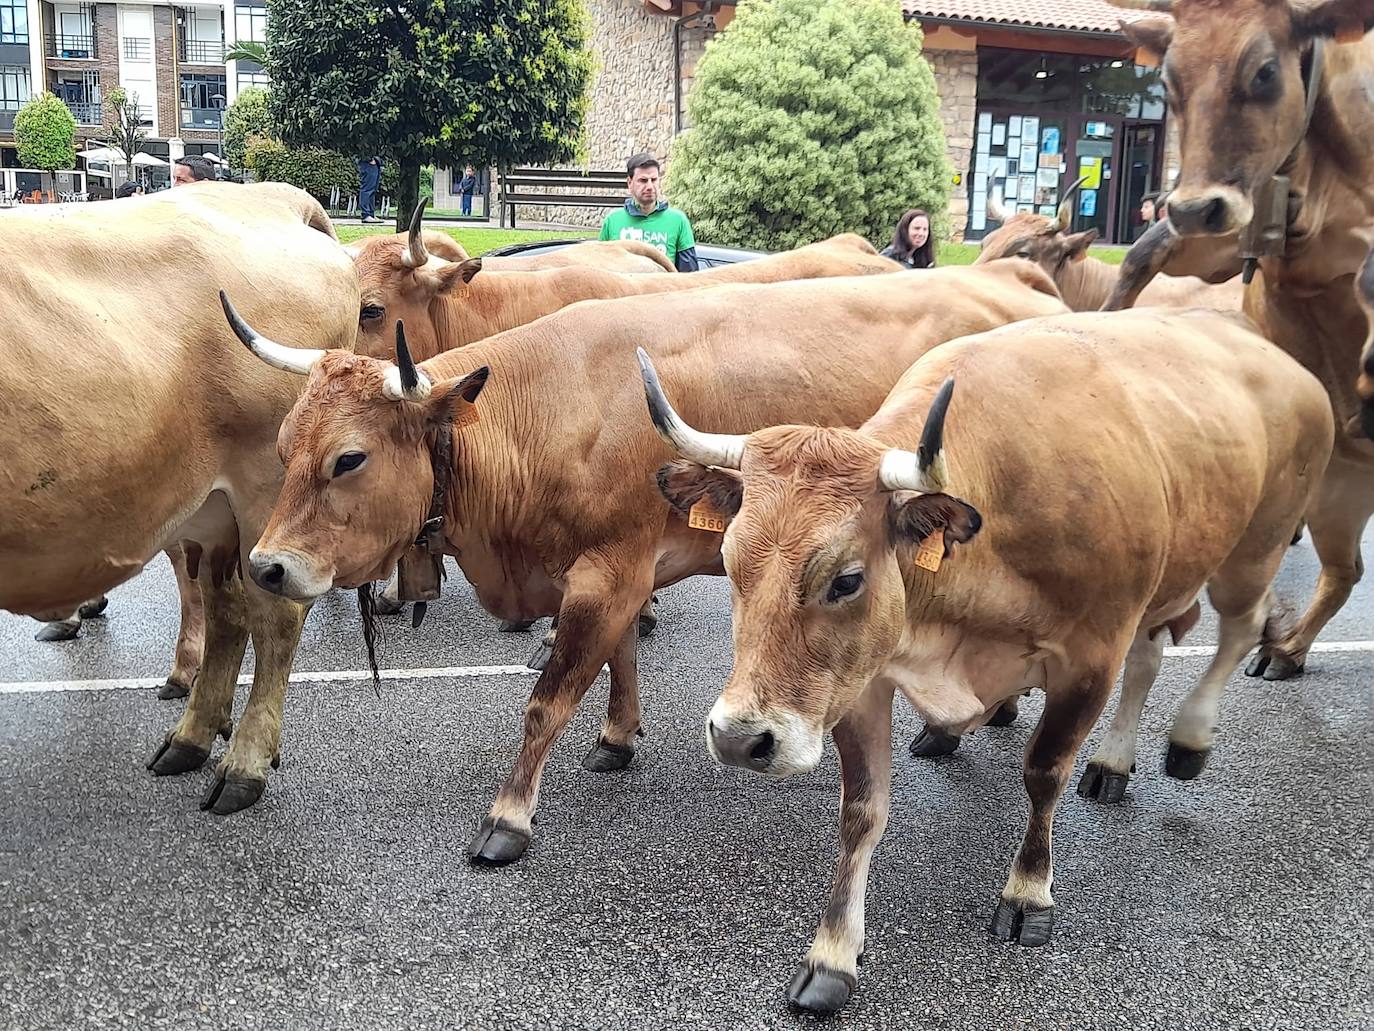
[247,50]
[247,116]
[810,118]
[499,82]
[45,134]
[126,130]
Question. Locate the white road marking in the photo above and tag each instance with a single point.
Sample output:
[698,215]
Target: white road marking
[345,676]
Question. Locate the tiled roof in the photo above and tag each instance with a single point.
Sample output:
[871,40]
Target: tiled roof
[1079,15]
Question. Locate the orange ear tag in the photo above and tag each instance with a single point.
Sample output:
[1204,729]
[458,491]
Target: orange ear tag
[931,552]
[705,516]
[465,416]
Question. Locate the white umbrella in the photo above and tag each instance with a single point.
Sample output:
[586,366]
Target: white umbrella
[148,160]
[213,158]
[104,155]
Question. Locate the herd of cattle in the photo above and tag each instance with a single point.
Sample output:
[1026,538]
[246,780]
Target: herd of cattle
[950,484]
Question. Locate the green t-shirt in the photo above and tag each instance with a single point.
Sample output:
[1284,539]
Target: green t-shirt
[666,230]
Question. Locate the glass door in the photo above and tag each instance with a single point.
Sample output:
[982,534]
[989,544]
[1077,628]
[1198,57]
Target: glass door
[1140,160]
[1094,162]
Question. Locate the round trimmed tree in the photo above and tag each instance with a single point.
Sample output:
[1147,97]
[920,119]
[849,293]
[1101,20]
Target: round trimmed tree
[811,118]
[246,117]
[45,134]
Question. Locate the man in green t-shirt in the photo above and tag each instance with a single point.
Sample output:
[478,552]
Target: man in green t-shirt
[650,220]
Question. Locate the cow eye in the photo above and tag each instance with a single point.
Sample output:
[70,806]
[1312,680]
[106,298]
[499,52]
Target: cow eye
[1266,78]
[348,462]
[373,312]
[846,585]
[1023,254]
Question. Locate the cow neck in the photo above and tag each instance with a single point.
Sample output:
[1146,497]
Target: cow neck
[1085,285]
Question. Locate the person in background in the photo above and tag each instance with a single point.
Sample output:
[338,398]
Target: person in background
[129,189]
[649,219]
[467,186]
[192,169]
[369,178]
[911,243]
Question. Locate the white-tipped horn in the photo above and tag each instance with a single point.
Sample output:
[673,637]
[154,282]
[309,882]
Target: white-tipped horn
[404,381]
[721,450]
[925,470]
[1157,6]
[415,255]
[995,209]
[1064,217]
[279,356]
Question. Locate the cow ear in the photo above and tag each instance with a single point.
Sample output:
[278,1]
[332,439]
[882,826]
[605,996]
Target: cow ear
[912,518]
[456,403]
[455,272]
[1078,244]
[1153,35]
[1346,21]
[685,483]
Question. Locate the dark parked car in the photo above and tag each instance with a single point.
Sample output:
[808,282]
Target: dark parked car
[708,254]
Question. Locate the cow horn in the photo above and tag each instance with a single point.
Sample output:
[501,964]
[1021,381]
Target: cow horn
[1064,218]
[995,208]
[415,255]
[721,450]
[279,356]
[404,381]
[1157,6]
[925,470]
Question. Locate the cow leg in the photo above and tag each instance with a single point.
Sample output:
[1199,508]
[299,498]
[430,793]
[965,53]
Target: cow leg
[1194,728]
[388,602]
[1114,761]
[209,708]
[60,629]
[1025,913]
[599,606]
[540,659]
[190,635]
[932,743]
[824,980]
[648,618]
[241,776]
[1336,522]
[615,746]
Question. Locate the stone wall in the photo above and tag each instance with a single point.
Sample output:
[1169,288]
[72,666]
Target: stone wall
[956,79]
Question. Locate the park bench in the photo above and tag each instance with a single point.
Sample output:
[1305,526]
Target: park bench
[577,189]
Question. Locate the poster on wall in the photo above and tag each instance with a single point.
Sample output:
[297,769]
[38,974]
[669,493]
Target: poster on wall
[1049,141]
[997,168]
[1028,155]
[999,134]
[1054,161]
[1087,205]
[984,144]
[1014,126]
[1030,129]
[1028,188]
[1090,171]
[1047,177]
[984,122]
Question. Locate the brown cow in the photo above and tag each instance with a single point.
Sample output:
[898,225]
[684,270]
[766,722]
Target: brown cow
[1084,281]
[1264,88]
[552,506]
[134,426]
[1116,465]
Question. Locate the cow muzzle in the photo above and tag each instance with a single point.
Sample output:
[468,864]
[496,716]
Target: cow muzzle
[773,745]
[288,574]
[1218,211]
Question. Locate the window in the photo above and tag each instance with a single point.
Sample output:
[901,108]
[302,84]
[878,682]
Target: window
[250,23]
[199,108]
[259,79]
[15,91]
[14,21]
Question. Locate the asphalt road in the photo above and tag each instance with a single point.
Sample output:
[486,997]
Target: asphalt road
[675,893]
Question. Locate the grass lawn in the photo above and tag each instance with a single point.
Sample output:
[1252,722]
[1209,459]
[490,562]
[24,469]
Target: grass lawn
[479,241]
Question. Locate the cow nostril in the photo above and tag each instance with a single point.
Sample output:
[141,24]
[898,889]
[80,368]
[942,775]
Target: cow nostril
[273,575]
[1214,215]
[762,748]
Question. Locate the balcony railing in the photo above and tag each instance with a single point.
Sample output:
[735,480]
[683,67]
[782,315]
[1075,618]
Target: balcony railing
[138,48]
[197,51]
[85,113]
[72,47]
[201,117]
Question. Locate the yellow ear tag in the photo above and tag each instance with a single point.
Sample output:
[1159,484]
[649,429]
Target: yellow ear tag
[931,552]
[705,516]
[466,415]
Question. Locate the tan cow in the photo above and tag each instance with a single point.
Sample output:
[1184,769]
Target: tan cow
[1115,464]
[1364,289]
[132,425]
[551,505]
[1084,281]
[1264,88]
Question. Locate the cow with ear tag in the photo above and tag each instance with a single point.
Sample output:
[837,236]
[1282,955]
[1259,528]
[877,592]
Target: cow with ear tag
[1057,521]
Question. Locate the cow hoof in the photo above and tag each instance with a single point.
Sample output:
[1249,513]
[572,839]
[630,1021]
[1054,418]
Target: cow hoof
[931,744]
[820,989]
[1257,665]
[1281,667]
[1014,922]
[605,757]
[541,656]
[94,609]
[1183,763]
[174,757]
[171,690]
[497,843]
[384,606]
[1100,784]
[514,626]
[231,794]
[648,623]
[1003,717]
[1297,536]
[62,631]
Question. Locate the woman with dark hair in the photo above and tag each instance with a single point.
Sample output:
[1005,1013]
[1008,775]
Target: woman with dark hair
[911,244]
